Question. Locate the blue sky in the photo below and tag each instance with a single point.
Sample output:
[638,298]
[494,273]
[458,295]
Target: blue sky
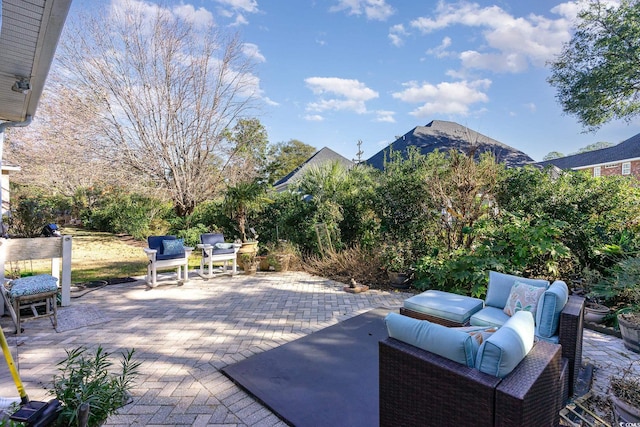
[332,72]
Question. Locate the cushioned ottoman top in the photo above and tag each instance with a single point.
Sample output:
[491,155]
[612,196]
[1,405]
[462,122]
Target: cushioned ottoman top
[445,305]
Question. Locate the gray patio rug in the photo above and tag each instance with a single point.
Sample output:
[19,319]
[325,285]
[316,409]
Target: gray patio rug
[75,317]
[328,378]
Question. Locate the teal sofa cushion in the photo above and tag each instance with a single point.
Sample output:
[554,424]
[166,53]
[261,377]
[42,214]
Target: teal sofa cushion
[549,308]
[505,349]
[489,316]
[500,285]
[450,343]
[445,305]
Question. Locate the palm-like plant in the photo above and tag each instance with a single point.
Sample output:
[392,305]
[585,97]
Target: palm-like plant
[243,199]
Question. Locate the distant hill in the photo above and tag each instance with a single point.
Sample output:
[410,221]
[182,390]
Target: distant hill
[444,136]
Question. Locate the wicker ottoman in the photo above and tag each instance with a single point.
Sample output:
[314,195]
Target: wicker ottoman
[443,308]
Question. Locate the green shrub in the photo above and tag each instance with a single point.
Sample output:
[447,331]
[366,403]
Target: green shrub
[120,212]
[85,377]
[29,216]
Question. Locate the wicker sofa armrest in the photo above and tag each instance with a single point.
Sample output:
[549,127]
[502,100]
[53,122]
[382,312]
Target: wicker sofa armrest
[570,336]
[531,395]
[419,388]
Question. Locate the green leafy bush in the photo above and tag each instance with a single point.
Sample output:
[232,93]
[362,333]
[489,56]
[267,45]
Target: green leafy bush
[85,377]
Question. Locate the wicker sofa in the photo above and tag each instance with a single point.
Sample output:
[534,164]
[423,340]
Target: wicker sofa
[568,333]
[420,388]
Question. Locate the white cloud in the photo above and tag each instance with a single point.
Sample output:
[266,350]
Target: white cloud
[377,10]
[252,51]
[396,34]
[343,94]
[270,102]
[441,50]
[229,8]
[511,43]
[445,97]
[240,20]
[314,118]
[199,17]
[385,116]
[250,6]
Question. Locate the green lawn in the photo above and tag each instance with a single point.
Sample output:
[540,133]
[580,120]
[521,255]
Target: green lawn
[98,256]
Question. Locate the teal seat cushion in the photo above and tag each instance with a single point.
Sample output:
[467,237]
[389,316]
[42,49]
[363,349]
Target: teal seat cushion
[444,305]
[500,285]
[32,285]
[450,343]
[505,349]
[549,308]
[489,316]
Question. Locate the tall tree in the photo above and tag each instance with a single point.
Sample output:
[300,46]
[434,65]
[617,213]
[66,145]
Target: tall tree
[286,157]
[552,155]
[166,89]
[596,74]
[595,146]
[250,140]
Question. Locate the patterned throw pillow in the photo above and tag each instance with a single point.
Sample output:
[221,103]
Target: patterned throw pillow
[523,297]
[479,333]
[173,247]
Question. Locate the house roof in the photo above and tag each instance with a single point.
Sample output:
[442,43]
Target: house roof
[29,36]
[320,157]
[627,149]
[444,136]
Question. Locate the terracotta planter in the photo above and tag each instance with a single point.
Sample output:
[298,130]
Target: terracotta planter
[625,413]
[248,247]
[595,313]
[263,263]
[281,262]
[630,331]
[250,267]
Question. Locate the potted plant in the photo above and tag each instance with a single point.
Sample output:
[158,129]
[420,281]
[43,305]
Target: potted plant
[249,262]
[395,260]
[624,392]
[595,290]
[241,200]
[281,255]
[627,283]
[86,381]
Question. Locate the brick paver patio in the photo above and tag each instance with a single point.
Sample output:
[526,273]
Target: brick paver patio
[185,334]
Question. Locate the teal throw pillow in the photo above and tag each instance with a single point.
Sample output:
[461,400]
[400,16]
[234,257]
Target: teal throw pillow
[173,247]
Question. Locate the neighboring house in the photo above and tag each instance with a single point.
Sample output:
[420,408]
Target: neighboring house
[321,157]
[621,159]
[444,136]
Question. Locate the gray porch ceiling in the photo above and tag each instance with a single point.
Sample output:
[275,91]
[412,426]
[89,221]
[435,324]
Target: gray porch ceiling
[28,39]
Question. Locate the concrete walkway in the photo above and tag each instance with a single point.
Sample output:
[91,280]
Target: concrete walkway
[184,335]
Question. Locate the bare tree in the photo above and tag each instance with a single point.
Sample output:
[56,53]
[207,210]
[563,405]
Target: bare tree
[56,152]
[165,90]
